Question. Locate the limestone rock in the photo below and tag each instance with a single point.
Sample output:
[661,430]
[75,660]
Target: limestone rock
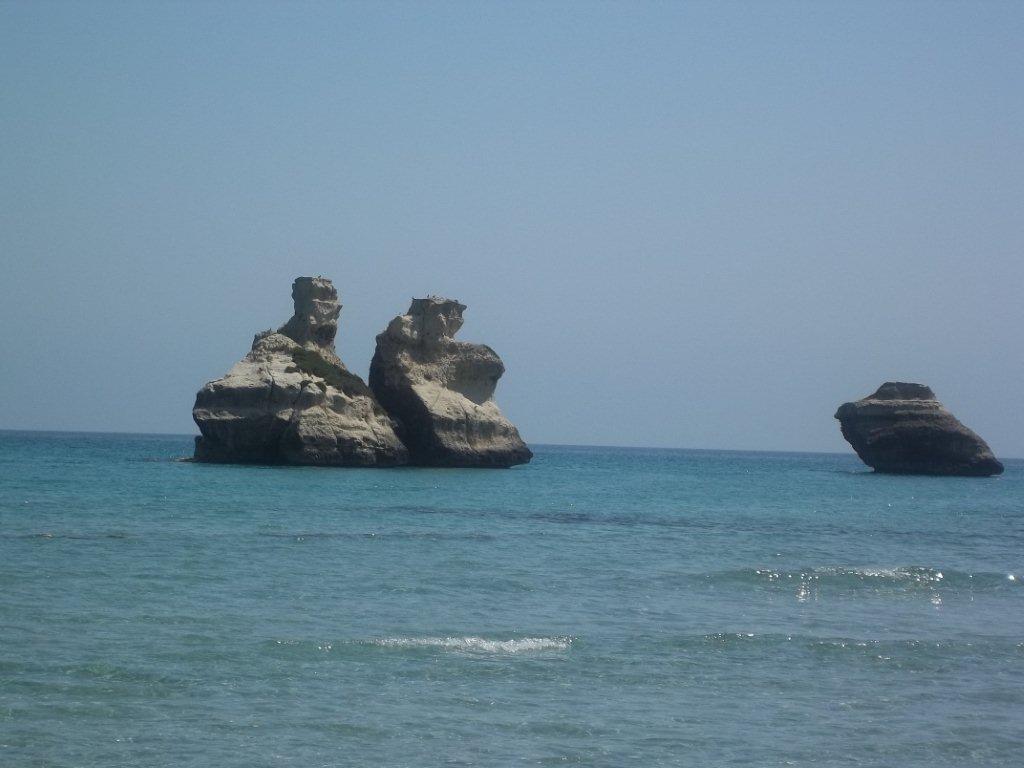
[441,390]
[292,401]
[903,429]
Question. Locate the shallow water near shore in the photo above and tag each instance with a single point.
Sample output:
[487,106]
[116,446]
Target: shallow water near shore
[598,606]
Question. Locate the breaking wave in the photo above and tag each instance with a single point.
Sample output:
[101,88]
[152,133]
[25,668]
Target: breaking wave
[478,644]
[469,644]
[844,577]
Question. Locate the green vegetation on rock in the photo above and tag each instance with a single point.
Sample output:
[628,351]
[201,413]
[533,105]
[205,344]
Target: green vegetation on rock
[313,363]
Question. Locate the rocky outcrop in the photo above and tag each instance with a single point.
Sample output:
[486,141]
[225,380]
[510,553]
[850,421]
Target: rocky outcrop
[441,390]
[292,401]
[903,429]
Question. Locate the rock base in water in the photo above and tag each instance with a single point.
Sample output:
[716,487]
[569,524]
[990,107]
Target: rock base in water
[903,429]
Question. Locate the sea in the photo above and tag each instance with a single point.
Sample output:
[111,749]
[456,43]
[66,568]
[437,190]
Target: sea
[598,607]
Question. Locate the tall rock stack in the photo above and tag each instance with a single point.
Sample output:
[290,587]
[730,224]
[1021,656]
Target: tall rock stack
[903,429]
[292,401]
[442,390]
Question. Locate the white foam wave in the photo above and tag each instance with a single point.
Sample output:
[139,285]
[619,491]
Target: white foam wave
[479,644]
[917,574]
[914,574]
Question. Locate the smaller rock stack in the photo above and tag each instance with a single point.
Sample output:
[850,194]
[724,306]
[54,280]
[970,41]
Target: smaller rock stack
[441,390]
[903,429]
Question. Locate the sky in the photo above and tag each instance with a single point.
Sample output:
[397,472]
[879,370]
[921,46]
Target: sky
[698,225]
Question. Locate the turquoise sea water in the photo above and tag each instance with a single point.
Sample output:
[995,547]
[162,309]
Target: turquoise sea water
[601,607]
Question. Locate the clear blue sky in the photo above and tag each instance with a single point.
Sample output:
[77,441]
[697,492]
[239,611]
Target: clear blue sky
[680,224]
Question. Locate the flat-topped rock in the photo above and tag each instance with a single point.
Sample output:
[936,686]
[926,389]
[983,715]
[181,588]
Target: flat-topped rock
[292,401]
[442,390]
[903,429]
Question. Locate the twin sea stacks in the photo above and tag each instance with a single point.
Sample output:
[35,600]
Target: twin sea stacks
[430,399]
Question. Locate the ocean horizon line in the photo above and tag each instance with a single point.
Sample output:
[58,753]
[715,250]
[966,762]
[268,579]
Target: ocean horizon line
[681,449]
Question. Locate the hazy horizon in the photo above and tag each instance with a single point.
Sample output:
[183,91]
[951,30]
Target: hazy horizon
[684,226]
[533,445]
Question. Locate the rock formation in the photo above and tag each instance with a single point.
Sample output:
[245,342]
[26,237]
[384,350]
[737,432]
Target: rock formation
[441,390]
[903,429]
[292,401]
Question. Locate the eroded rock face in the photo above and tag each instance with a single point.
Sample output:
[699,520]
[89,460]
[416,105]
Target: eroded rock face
[441,390]
[292,401]
[903,429]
